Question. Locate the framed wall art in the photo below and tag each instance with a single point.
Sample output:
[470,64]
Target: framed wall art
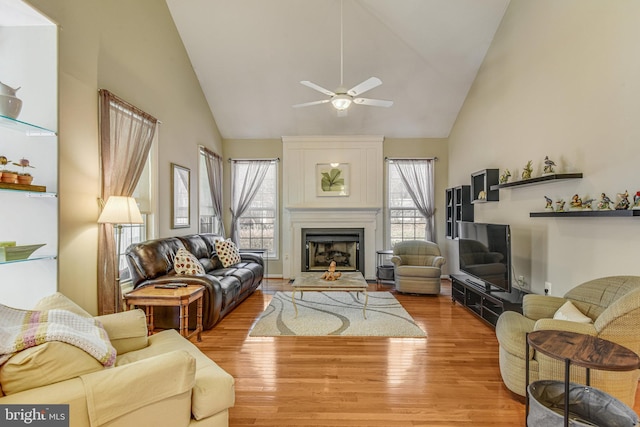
[180,190]
[332,179]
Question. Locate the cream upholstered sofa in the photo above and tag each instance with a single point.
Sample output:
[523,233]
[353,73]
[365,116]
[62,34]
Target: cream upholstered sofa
[417,266]
[613,305]
[161,380]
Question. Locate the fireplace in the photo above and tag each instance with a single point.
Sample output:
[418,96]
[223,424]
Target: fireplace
[321,246]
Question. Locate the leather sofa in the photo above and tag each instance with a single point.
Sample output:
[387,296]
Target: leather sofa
[613,305]
[159,380]
[151,263]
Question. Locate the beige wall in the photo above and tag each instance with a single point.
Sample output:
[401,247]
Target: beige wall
[560,79]
[132,49]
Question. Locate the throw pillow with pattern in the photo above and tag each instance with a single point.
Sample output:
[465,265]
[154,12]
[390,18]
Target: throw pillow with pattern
[227,253]
[186,263]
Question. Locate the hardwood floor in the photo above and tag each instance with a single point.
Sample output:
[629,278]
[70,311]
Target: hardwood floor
[450,378]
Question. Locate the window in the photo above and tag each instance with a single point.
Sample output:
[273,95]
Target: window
[258,225]
[405,220]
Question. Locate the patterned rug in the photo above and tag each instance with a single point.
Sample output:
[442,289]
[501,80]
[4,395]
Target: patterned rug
[335,313]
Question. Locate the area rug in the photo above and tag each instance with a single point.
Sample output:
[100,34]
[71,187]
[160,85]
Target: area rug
[335,313]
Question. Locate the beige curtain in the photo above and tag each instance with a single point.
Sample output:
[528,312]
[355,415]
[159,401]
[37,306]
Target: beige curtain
[126,134]
[417,177]
[213,163]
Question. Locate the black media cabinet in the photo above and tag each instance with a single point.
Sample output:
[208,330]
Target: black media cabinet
[487,305]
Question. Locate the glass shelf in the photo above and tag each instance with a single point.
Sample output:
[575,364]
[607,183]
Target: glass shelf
[29,193]
[35,258]
[27,128]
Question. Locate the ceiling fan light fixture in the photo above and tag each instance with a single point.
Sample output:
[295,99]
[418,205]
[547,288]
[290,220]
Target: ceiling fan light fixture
[341,102]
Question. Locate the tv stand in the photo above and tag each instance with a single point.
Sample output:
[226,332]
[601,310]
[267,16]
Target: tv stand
[485,303]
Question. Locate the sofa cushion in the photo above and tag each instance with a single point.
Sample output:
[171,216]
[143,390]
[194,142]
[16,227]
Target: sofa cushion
[227,252]
[45,364]
[186,263]
[49,362]
[568,311]
[214,389]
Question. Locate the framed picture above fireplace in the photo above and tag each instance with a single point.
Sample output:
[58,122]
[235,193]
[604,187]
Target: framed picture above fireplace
[332,179]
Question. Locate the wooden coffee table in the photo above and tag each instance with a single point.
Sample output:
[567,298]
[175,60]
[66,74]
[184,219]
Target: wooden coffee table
[150,296]
[348,282]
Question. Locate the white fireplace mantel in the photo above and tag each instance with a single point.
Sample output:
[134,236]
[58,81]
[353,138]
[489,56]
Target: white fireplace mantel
[305,208]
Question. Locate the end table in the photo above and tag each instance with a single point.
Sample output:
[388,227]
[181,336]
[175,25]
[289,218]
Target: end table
[151,296]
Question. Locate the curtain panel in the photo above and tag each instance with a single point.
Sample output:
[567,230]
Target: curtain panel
[244,192]
[417,177]
[126,134]
[213,163]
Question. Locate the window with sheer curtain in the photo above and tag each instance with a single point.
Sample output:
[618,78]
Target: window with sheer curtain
[410,200]
[255,202]
[210,200]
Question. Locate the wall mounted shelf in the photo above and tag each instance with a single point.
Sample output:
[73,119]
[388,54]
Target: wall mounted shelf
[618,213]
[483,182]
[538,180]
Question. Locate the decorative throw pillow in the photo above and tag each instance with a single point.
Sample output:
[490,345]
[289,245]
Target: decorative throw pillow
[570,312]
[227,253]
[186,263]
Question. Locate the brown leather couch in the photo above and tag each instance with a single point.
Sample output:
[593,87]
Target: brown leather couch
[151,263]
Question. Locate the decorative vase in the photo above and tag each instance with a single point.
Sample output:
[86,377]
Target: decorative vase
[25,179]
[9,177]
[10,105]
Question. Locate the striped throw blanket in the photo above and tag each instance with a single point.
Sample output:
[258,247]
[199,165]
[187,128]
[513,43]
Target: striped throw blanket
[21,329]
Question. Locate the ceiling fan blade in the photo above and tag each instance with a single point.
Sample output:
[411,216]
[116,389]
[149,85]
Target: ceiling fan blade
[366,85]
[306,104]
[318,88]
[373,102]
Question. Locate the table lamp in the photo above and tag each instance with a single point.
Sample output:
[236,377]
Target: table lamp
[117,211]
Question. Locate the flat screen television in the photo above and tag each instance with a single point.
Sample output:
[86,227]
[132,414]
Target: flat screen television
[484,253]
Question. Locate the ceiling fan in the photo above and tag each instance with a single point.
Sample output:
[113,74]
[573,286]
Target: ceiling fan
[342,98]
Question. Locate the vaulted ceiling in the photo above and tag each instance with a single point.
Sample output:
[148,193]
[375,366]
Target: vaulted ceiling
[250,56]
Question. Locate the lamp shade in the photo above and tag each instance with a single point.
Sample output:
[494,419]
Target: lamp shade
[341,102]
[120,210]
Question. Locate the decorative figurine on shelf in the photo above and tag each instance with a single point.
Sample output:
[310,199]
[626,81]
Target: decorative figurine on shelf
[24,177]
[331,275]
[623,201]
[549,206]
[505,176]
[482,195]
[576,203]
[526,172]
[636,201]
[560,205]
[4,161]
[548,166]
[586,204]
[604,203]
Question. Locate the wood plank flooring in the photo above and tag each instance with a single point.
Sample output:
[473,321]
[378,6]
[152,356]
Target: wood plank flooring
[450,378]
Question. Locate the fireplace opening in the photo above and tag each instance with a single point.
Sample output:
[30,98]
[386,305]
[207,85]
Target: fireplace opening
[321,246]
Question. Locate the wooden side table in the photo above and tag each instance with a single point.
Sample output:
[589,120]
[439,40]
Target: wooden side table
[150,296]
[581,350]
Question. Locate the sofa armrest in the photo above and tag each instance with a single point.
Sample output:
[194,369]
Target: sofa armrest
[114,392]
[396,260]
[252,257]
[540,306]
[127,330]
[565,325]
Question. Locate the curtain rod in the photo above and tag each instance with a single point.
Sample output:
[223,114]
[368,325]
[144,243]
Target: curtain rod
[390,159]
[277,159]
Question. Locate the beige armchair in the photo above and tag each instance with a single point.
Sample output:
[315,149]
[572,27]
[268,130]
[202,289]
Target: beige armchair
[161,380]
[613,303]
[417,266]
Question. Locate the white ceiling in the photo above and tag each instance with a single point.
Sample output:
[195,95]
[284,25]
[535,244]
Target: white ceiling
[250,56]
